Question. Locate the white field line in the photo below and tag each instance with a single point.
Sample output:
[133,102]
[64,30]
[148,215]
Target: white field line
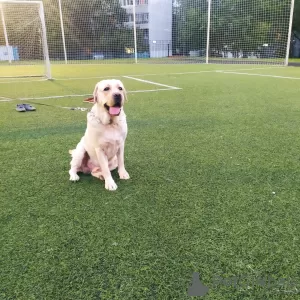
[154,83]
[20,80]
[157,90]
[147,64]
[86,95]
[5,99]
[260,75]
[164,74]
[134,75]
[53,97]
[250,69]
[142,75]
[111,76]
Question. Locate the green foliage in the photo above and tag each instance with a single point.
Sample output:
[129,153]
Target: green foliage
[236,24]
[296,23]
[90,26]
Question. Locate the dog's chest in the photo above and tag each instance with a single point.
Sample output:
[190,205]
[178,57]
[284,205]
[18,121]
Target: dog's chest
[107,137]
[111,139]
[113,134]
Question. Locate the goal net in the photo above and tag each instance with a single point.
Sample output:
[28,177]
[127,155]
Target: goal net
[249,32]
[23,40]
[95,31]
[142,31]
[231,31]
[189,31]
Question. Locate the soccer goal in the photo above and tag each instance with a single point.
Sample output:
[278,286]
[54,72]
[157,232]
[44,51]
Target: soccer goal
[250,32]
[232,31]
[23,40]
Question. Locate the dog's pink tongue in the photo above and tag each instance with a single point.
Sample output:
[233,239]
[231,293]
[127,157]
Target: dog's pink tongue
[114,111]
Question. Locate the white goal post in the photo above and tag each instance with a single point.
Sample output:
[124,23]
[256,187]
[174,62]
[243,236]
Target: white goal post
[23,39]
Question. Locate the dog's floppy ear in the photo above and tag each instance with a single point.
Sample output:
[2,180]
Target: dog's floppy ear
[124,90]
[93,99]
[125,94]
[89,100]
[95,94]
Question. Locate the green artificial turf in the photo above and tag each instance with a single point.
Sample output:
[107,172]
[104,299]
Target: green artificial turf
[214,187]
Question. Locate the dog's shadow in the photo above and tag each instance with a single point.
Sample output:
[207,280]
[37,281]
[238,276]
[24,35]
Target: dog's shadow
[90,178]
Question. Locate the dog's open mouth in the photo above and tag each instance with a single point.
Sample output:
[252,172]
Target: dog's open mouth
[113,110]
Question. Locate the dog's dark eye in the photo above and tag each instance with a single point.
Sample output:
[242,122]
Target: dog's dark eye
[120,88]
[106,89]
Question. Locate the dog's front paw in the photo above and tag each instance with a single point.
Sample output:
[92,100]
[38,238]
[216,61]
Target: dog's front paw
[110,184]
[73,176]
[124,174]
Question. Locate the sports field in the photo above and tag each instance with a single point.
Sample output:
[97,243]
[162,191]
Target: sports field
[213,152]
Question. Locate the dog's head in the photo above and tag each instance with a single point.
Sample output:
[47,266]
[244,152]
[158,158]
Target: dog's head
[110,94]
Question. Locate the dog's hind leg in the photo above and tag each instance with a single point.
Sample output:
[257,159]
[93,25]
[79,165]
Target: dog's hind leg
[77,159]
[96,172]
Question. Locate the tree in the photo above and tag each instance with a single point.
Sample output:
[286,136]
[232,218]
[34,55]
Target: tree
[296,21]
[236,25]
[89,26]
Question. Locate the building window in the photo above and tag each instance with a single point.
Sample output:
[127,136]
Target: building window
[141,2]
[139,18]
[127,2]
[142,18]
[130,17]
[137,2]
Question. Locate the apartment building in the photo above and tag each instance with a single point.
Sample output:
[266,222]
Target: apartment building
[154,17]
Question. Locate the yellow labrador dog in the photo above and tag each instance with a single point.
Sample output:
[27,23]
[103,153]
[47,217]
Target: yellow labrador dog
[101,149]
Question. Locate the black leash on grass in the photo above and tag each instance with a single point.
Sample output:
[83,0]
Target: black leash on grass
[57,106]
[19,100]
[37,103]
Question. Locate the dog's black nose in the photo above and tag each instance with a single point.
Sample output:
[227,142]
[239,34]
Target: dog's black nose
[117,99]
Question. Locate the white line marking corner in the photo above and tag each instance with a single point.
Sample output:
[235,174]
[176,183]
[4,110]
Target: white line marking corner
[259,75]
[154,83]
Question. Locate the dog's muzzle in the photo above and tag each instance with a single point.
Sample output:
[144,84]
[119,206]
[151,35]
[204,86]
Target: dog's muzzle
[117,99]
[116,108]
